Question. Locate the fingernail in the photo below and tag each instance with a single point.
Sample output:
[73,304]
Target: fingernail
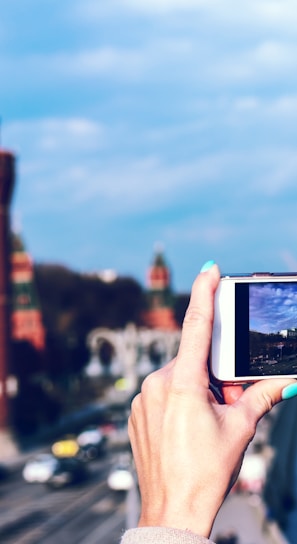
[207,266]
[289,391]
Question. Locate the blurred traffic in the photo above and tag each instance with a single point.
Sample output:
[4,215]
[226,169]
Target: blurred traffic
[66,461]
[73,477]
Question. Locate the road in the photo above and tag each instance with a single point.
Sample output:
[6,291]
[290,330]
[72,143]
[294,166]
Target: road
[90,513]
[87,513]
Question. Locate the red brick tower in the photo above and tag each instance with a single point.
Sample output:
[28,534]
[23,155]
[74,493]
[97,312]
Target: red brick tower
[7,177]
[26,317]
[160,314]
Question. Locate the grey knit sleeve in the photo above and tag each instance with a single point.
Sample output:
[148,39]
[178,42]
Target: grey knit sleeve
[162,535]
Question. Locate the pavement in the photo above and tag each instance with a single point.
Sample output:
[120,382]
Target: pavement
[244,516]
[244,513]
[11,456]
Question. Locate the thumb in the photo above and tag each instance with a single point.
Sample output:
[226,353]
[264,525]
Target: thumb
[260,397]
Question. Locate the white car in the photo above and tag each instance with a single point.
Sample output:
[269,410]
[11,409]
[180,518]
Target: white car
[40,468]
[90,436]
[120,477]
[92,444]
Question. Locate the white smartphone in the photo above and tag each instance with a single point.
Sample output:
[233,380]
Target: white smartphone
[255,328]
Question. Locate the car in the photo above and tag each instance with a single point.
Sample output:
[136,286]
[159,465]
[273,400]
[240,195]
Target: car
[55,473]
[66,447]
[39,468]
[66,472]
[121,477]
[90,435]
[91,443]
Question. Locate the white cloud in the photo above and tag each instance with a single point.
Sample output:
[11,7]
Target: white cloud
[120,186]
[284,105]
[151,59]
[56,135]
[277,113]
[164,6]
[140,183]
[266,13]
[91,8]
[73,179]
[277,172]
[177,114]
[112,61]
[150,183]
[195,229]
[273,57]
[265,62]
[277,12]
[179,53]
[247,104]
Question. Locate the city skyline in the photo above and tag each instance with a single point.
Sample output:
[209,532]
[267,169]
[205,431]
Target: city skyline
[169,121]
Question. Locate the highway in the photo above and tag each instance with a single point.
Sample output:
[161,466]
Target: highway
[86,513]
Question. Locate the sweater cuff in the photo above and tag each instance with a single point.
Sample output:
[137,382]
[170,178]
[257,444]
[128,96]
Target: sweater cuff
[162,535]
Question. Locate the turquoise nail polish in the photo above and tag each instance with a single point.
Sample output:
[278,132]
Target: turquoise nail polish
[207,266]
[289,391]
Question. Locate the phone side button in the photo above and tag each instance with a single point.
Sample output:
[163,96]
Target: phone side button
[256,274]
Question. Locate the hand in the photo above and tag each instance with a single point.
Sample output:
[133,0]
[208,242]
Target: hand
[187,447]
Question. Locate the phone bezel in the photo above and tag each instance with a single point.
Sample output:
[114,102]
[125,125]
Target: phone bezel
[229,335]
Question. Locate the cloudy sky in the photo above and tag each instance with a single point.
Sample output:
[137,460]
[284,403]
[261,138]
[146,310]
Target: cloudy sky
[273,307]
[138,122]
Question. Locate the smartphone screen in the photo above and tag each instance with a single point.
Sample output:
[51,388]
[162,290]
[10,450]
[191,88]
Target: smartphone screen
[265,329]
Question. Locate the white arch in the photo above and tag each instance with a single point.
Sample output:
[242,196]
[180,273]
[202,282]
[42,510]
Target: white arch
[94,341]
[131,348]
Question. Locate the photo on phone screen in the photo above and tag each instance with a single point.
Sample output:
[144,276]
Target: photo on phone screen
[266,329]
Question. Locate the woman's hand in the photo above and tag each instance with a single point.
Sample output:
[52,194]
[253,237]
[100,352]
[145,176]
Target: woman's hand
[187,447]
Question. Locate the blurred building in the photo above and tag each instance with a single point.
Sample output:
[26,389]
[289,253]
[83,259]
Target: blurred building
[26,317]
[288,333]
[7,181]
[160,312]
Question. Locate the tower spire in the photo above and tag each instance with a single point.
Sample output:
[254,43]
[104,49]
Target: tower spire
[160,314]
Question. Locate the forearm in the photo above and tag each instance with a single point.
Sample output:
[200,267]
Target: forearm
[162,535]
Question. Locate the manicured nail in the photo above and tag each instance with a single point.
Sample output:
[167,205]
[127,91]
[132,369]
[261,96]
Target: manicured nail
[289,391]
[207,266]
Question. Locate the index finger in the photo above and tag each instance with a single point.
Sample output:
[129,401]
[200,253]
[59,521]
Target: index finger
[231,393]
[191,360]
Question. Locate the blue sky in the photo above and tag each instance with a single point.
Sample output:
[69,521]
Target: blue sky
[144,121]
[273,307]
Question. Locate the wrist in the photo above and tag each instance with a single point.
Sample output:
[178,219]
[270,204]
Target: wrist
[194,519]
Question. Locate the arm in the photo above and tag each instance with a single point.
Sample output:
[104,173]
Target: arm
[188,448]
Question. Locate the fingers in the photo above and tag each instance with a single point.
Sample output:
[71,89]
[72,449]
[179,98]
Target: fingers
[191,360]
[260,397]
[231,393]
